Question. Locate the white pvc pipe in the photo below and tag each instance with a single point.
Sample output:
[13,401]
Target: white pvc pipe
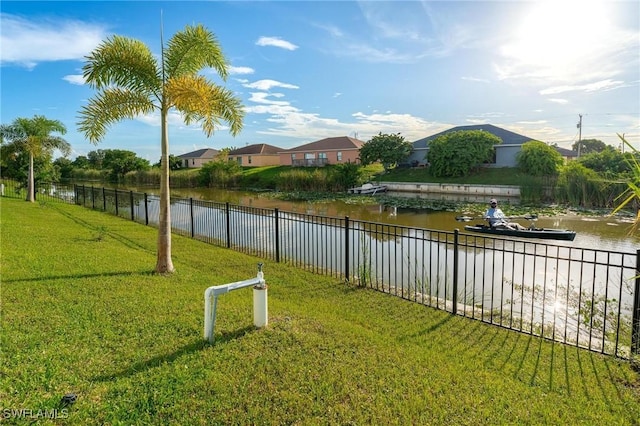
[260,310]
[260,315]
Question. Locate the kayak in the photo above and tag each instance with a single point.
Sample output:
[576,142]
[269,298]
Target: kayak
[541,233]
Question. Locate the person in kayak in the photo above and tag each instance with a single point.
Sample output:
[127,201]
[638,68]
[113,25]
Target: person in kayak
[497,219]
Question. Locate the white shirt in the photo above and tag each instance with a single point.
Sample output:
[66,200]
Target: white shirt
[495,216]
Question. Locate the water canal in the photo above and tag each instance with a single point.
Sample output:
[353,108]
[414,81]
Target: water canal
[602,232]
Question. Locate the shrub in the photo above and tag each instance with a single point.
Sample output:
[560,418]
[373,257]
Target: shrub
[539,159]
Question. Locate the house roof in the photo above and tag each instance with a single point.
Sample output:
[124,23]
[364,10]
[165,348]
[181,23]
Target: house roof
[256,149]
[566,152]
[328,144]
[508,137]
[205,153]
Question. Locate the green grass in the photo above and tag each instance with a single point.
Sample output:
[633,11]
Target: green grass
[82,312]
[484,176]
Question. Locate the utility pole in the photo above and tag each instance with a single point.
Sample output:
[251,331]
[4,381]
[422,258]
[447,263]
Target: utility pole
[579,134]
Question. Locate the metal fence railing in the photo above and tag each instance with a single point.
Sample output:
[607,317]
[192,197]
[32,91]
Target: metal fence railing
[43,191]
[583,297]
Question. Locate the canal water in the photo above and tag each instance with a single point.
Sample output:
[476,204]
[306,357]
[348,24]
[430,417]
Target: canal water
[601,232]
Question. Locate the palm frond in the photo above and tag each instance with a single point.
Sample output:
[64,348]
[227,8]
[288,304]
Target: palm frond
[123,62]
[56,142]
[110,106]
[191,50]
[633,190]
[206,103]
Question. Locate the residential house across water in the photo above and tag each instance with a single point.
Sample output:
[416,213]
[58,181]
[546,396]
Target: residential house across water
[336,150]
[256,155]
[197,158]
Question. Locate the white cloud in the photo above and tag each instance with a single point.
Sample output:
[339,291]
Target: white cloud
[262,98]
[558,101]
[589,87]
[241,70]
[76,79]
[268,84]
[26,43]
[476,79]
[276,42]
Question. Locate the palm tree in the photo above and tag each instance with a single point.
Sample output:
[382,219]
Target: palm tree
[633,186]
[34,136]
[131,82]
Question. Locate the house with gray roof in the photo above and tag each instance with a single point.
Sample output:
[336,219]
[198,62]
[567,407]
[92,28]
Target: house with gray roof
[336,150]
[505,152]
[256,155]
[567,154]
[197,158]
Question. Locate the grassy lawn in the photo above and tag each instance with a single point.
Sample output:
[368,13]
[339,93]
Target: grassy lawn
[484,176]
[82,313]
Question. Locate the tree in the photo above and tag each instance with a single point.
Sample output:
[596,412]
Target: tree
[96,159]
[175,163]
[64,166]
[220,172]
[588,146]
[539,159]
[14,164]
[609,162]
[81,162]
[120,162]
[34,135]
[131,81]
[387,149]
[458,153]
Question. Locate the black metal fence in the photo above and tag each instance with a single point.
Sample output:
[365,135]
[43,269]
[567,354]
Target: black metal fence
[583,297]
[579,296]
[43,192]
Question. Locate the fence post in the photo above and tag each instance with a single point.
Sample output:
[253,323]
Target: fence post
[191,215]
[104,200]
[228,225]
[133,217]
[346,248]
[146,209]
[455,271]
[93,199]
[277,236]
[635,322]
[116,192]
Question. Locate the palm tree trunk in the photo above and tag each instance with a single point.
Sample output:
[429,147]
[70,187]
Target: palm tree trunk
[164,264]
[30,181]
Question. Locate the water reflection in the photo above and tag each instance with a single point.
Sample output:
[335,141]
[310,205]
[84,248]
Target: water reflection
[605,233]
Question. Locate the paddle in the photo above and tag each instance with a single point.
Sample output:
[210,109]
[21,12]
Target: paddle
[470,218]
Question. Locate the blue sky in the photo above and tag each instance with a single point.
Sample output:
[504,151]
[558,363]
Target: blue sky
[306,70]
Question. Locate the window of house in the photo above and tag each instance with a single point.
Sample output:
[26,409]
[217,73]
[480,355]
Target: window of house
[339,155]
[239,160]
[293,157]
[309,155]
[322,155]
[249,159]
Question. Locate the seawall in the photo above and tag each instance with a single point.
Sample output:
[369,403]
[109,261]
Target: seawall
[498,191]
